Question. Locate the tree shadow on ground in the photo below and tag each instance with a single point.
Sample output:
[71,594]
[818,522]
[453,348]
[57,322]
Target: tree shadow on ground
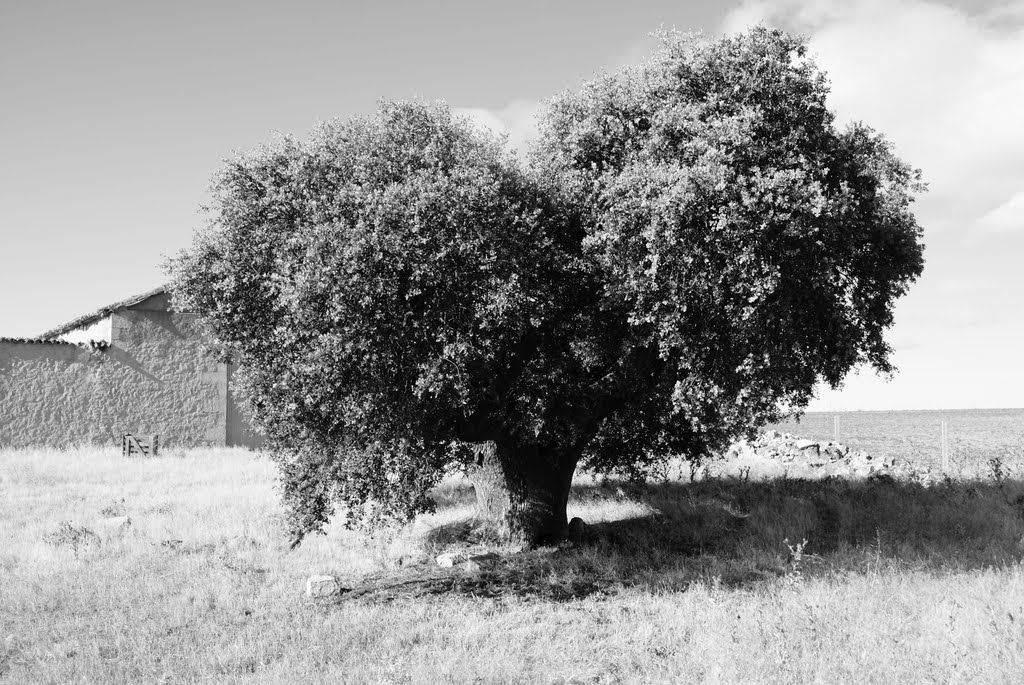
[740,534]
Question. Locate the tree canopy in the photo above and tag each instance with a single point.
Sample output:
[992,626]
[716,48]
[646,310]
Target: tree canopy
[691,246]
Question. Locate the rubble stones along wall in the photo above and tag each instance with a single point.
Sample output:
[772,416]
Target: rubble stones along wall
[777,455]
[156,377]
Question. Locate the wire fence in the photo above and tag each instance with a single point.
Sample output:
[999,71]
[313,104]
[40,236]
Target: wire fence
[955,442]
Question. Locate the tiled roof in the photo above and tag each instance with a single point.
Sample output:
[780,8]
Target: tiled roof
[92,344]
[100,313]
[33,341]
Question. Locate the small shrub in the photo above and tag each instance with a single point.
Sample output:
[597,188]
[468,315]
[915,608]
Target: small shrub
[796,557]
[75,537]
[114,509]
[998,470]
[694,467]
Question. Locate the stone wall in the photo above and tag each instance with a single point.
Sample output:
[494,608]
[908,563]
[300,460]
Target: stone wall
[781,455]
[155,377]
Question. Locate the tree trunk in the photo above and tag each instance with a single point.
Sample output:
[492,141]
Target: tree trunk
[522,491]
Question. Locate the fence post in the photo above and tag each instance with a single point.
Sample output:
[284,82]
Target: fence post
[945,448]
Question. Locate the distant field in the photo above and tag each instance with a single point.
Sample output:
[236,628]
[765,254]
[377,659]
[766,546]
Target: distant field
[678,582]
[975,435]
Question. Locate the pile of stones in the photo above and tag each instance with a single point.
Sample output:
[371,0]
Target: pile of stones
[773,455]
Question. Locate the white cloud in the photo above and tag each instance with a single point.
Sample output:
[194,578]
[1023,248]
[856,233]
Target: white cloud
[483,119]
[1007,217]
[946,86]
[517,120]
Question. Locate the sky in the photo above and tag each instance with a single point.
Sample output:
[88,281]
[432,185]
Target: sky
[115,115]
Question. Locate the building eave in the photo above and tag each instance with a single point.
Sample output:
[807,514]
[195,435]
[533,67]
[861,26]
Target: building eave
[100,313]
[89,345]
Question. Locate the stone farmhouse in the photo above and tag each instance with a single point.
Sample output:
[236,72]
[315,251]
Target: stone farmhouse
[135,366]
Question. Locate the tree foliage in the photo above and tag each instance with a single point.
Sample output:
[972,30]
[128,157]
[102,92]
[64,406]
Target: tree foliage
[692,246]
[756,247]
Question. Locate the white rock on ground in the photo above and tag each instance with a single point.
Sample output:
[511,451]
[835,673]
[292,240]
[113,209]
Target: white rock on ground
[322,586]
[449,559]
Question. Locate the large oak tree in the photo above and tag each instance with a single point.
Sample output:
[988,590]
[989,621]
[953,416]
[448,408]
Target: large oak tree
[691,247]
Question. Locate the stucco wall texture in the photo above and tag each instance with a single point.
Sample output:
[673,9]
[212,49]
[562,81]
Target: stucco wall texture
[155,377]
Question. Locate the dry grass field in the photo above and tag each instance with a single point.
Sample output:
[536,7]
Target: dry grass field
[679,582]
